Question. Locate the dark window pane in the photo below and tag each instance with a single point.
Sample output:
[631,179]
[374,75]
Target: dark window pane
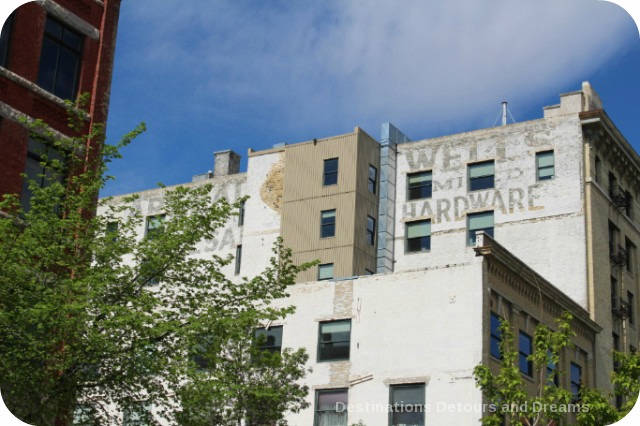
[269,339]
[66,74]
[484,182]
[60,60]
[330,171]
[419,244]
[48,64]
[419,185]
[327,223]
[407,405]
[53,28]
[525,350]
[5,37]
[334,340]
[72,40]
[496,336]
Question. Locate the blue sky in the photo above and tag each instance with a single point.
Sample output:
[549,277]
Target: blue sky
[207,76]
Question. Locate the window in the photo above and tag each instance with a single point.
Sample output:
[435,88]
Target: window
[419,185]
[238,259]
[545,164]
[331,407]
[325,272]
[613,238]
[479,222]
[614,292]
[334,340]
[630,254]
[613,184]
[112,231]
[60,59]
[136,414]
[481,175]
[84,415]
[327,223]
[551,368]
[330,171]
[44,166]
[525,349]
[418,235]
[241,214]
[371,230]
[199,353]
[628,209]
[269,339]
[5,37]
[373,179]
[598,169]
[407,404]
[631,302]
[576,380]
[155,226]
[496,336]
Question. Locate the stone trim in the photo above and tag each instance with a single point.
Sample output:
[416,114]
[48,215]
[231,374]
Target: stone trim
[13,114]
[407,380]
[70,18]
[10,75]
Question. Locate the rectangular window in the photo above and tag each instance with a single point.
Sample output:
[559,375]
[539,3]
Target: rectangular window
[334,340]
[327,223]
[576,380]
[330,171]
[331,407]
[60,59]
[373,179]
[269,339]
[614,234]
[628,209]
[137,414]
[479,222]
[238,259]
[598,168]
[496,336]
[44,165]
[325,272]
[545,163]
[481,175]
[407,404]
[111,232]
[371,230]
[418,235]
[155,225]
[630,253]
[419,185]
[614,293]
[551,369]
[613,184]
[199,352]
[5,37]
[632,307]
[525,349]
[241,214]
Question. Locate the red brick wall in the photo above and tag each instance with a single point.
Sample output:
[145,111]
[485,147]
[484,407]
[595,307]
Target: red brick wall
[23,59]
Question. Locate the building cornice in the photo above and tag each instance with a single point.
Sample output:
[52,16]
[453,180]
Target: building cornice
[532,285]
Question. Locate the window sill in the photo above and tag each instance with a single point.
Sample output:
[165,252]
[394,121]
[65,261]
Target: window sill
[325,361]
[418,199]
[408,253]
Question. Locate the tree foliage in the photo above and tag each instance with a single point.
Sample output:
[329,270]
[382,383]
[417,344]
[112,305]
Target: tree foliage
[96,320]
[510,397]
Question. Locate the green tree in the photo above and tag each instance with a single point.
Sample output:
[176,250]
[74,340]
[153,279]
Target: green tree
[85,328]
[506,391]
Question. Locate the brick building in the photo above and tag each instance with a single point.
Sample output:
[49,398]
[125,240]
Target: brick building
[51,51]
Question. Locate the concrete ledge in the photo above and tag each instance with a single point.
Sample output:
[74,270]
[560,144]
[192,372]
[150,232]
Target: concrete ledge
[13,114]
[70,18]
[10,75]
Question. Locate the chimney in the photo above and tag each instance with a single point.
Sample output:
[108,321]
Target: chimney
[225,163]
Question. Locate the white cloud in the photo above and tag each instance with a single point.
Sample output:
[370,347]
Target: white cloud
[358,62]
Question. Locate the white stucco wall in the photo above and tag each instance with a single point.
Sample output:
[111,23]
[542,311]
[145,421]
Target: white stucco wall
[541,222]
[406,327]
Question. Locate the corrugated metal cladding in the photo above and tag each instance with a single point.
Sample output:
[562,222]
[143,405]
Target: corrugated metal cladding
[305,197]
